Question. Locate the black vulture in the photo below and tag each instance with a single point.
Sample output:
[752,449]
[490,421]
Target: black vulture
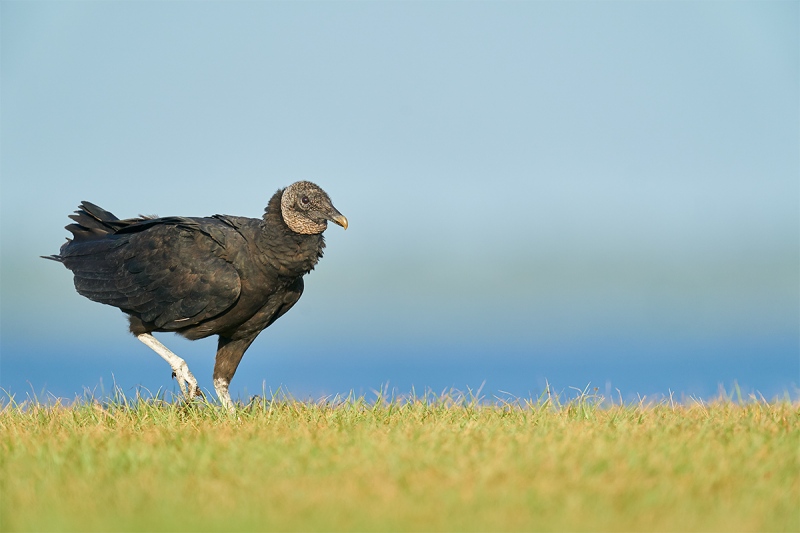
[220,275]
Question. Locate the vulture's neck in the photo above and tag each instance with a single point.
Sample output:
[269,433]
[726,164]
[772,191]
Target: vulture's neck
[291,254]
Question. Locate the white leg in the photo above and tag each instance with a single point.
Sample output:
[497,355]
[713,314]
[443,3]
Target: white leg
[186,380]
[221,386]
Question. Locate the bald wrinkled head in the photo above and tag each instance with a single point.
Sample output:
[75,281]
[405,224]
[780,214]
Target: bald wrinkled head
[306,209]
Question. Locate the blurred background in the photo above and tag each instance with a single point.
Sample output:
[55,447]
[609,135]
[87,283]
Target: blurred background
[600,194]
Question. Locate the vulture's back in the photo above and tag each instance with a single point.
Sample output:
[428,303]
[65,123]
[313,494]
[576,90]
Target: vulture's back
[172,272]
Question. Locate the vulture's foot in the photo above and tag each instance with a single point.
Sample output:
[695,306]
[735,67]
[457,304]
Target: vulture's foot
[180,370]
[186,380]
[221,386]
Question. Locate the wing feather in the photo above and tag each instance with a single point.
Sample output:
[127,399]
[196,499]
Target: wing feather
[170,272]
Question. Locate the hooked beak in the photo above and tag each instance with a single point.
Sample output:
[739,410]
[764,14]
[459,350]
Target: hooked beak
[338,218]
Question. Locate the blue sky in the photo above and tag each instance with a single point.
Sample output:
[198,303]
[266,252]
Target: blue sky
[576,192]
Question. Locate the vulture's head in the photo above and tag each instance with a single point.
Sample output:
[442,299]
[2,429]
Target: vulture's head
[306,209]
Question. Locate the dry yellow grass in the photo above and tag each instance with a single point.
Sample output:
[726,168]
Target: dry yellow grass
[417,465]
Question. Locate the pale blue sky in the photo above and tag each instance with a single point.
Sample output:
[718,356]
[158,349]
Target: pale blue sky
[576,174]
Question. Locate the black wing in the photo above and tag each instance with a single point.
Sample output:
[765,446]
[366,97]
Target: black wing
[171,272]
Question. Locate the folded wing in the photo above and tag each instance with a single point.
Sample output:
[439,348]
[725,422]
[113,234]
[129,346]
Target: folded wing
[171,272]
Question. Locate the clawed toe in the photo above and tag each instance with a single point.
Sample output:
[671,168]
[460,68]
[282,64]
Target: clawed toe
[187,383]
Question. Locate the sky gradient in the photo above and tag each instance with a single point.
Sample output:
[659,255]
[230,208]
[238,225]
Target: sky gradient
[602,193]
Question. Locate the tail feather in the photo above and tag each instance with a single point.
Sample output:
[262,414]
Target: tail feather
[92,222]
[97,212]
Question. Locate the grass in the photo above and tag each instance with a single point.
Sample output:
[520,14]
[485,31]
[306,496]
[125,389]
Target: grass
[448,463]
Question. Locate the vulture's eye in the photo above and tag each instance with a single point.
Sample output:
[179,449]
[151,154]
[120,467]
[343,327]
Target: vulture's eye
[305,200]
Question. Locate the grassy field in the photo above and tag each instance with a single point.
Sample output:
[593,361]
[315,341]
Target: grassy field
[430,464]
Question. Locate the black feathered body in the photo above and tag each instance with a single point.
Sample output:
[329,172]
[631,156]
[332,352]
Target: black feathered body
[220,275]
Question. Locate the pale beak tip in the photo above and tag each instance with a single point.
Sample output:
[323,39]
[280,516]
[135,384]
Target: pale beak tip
[341,220]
